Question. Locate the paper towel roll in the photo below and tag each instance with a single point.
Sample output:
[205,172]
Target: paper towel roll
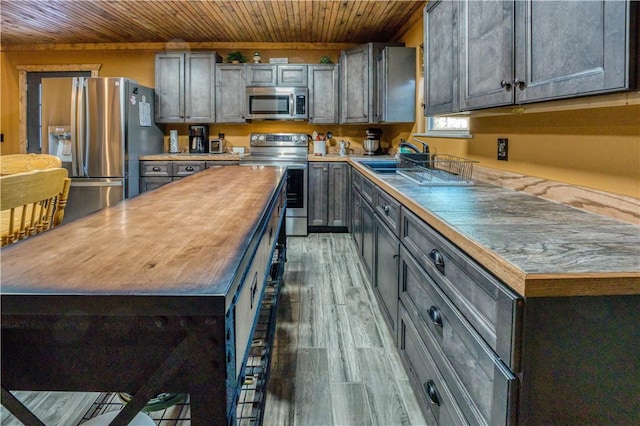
[173,141]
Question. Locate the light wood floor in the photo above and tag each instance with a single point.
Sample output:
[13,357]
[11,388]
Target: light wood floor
[334,361]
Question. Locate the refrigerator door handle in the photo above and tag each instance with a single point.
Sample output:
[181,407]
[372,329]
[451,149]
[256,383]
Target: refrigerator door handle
[83,122]
[74,127]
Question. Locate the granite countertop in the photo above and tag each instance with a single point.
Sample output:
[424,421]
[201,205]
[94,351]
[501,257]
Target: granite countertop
[172,241]
[537,247]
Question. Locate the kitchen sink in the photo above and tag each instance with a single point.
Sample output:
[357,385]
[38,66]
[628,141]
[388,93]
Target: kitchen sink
[431,172]
[382,167]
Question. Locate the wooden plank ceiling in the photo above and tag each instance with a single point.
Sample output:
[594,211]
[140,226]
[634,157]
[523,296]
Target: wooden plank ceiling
[149,21]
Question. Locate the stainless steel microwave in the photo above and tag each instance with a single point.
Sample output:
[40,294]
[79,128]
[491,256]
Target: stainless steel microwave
[277,103]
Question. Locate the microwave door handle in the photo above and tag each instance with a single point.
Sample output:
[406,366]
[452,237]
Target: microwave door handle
[292,105]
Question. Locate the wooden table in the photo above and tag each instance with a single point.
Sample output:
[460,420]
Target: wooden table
[139,297]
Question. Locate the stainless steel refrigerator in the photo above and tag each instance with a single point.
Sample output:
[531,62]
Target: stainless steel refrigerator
[98,127]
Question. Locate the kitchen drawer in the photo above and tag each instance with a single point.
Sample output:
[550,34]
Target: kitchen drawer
[151,183]
[483,386]
[155,168]
[389,210]
[431,389]
[186,168]
[492,309]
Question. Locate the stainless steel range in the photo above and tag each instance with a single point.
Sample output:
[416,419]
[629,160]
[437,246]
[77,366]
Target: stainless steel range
[287,150]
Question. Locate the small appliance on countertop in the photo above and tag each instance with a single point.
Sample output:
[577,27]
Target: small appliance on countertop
[216,145]
[371,145]
[198,138]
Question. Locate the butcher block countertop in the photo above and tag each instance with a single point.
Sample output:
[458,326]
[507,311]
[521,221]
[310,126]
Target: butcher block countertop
[537,247]
[186,238]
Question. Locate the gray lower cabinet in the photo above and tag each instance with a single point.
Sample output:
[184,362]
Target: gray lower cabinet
[328,194]
[154,174]
[184,87]
[323,94]
[468,320]
[356,218]
[364,222]
[230,93]
[484,388]
[385,276]
[475,351]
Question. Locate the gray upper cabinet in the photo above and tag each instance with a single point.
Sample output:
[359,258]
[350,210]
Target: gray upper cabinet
[323,94]
[486,53]
[276,75]
[356,84]
[184,86]
[373,86]
[230,93]
[571,48]
[441,57]
[396,85]
[561,49]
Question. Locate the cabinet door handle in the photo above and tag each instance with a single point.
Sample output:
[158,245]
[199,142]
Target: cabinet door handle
[519,84]
[436,317]
[156,169]
[506,85]
[386,208]
[438,260]
[432,393]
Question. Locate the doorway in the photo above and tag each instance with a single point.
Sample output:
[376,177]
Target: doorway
[34,104]
[23,70]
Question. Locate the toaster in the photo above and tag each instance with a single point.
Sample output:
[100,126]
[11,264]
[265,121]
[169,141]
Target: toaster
[216,146]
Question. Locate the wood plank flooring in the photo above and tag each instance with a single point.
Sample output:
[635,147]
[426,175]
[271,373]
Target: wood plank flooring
[334,361]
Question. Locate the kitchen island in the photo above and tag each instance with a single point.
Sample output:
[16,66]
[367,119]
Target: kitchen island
[159,293]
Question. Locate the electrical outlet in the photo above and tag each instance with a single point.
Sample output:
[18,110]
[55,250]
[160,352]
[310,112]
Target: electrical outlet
[503,149]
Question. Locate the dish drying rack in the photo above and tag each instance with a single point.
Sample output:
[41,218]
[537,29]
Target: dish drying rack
[436,169]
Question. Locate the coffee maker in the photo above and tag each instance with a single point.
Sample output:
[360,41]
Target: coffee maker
[198,138]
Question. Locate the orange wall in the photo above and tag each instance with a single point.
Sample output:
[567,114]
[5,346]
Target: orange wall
[597,148]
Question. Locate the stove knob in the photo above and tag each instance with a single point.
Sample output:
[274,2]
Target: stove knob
[254,137]
[261,137]
[294,138]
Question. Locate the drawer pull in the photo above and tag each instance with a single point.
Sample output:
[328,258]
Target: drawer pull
[189,168]
[156,169]
[438,260]
[432,393]
[386,208]
[436,317]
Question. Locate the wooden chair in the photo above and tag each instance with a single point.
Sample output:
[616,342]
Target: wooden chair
[32,202]
[18,163]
